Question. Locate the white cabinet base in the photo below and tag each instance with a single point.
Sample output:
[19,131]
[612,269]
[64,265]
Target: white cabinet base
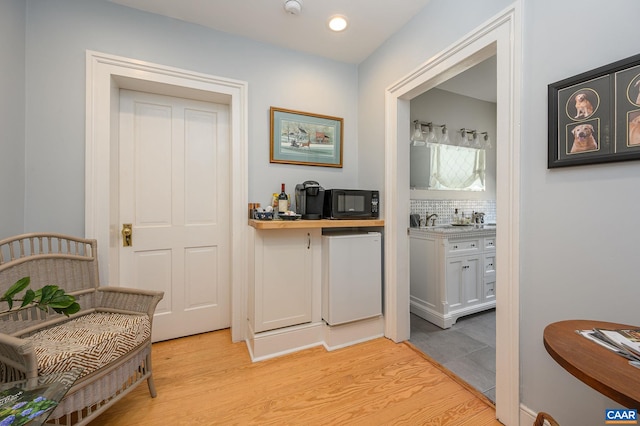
[270,344]
[286,317]
[340,336]
[447,320]
[274,343]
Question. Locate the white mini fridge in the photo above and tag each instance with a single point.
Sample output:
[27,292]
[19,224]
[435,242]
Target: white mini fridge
[351,276]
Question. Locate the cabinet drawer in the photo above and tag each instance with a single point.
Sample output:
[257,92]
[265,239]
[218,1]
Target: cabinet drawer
[489,290]
[464,246]
[489,264]
[490,243]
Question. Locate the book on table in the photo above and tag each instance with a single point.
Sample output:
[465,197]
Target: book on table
[625,342]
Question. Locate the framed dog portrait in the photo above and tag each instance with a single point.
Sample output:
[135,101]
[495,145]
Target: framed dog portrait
[594,117]
[305,138]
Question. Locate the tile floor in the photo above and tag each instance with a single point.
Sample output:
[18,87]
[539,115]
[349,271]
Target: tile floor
[468,348]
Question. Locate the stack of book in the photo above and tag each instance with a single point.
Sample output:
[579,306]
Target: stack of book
[624,342]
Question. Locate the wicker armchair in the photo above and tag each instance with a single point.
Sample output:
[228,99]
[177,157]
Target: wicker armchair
[114,326]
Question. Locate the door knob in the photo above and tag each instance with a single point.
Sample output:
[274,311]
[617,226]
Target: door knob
[127,235]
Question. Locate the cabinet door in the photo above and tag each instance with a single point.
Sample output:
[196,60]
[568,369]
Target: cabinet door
[473,292]
[455,282]
[284,276]
[464,282]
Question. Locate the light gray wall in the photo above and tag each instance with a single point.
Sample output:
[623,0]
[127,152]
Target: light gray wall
[59,33]
[12,83]
[577,256]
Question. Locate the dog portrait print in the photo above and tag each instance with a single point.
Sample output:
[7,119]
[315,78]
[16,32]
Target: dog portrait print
[584,107]
[634,131]
[584,139]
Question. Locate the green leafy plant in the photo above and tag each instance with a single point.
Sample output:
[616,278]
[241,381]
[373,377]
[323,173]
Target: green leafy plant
[49,296]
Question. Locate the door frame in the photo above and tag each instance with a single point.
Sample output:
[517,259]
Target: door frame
[500,36]
[106,75]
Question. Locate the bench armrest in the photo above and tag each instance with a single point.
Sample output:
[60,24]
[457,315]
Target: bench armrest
[19,358]
[128,300]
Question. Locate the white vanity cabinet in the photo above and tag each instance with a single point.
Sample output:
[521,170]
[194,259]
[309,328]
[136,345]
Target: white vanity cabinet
[282,279]
[452,273]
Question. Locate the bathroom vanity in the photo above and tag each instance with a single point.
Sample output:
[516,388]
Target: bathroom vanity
[453,272]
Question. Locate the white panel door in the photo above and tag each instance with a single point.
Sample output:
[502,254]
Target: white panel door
[174,176]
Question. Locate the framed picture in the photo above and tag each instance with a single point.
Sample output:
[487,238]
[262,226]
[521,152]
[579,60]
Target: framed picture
[594,117]
[305,138]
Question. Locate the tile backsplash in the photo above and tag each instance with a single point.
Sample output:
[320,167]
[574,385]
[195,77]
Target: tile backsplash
[445,209]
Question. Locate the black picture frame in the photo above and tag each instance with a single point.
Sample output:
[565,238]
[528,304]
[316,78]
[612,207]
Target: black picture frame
[594,117]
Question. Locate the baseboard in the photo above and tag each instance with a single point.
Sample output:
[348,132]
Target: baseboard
[340,336]
[527,416]
[271,344]
[282,341]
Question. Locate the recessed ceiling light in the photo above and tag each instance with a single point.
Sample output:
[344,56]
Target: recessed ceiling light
[338,23]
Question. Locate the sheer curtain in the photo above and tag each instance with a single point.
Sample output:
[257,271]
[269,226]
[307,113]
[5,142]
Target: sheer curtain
[457,168]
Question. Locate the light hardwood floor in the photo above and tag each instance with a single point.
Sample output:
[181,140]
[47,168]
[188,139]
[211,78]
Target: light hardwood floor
[206,379]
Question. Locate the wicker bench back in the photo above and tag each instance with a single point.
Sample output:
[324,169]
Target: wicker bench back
[68,262]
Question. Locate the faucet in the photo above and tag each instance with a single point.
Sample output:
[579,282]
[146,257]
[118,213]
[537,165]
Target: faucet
[433,221]
[478,217]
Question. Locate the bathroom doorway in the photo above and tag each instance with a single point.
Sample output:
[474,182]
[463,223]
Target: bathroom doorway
[501,37]
[440,175]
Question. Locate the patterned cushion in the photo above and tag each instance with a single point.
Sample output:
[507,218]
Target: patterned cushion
[88,342]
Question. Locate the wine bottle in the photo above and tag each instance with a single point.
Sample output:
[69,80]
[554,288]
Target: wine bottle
[283,201]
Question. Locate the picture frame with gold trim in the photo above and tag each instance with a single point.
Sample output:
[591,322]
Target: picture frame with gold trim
[305,138]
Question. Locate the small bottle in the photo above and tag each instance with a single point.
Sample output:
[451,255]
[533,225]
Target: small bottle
[283,201]
[456,217]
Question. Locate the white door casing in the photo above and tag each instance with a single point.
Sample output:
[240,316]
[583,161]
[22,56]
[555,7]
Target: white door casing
[174,178]
[106,75]
[500,36]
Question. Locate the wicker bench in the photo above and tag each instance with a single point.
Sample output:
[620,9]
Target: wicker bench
[109,339]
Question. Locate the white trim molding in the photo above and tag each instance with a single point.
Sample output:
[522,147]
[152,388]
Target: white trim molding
[500,36]
[106,74]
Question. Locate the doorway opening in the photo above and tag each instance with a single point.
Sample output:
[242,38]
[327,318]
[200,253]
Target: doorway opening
[500,37]
[452,294]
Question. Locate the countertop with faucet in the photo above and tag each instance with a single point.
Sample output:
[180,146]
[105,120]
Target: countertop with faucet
[453,231]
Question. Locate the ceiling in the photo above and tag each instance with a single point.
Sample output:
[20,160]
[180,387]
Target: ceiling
[267,21]
[370,23]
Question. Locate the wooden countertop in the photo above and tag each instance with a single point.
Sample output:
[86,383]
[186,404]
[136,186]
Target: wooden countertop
[603,370]
[309,224]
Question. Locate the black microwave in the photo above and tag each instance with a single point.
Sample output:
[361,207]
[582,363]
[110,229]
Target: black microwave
[351,204]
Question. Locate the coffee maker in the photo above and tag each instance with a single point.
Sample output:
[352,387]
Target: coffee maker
[309,199]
